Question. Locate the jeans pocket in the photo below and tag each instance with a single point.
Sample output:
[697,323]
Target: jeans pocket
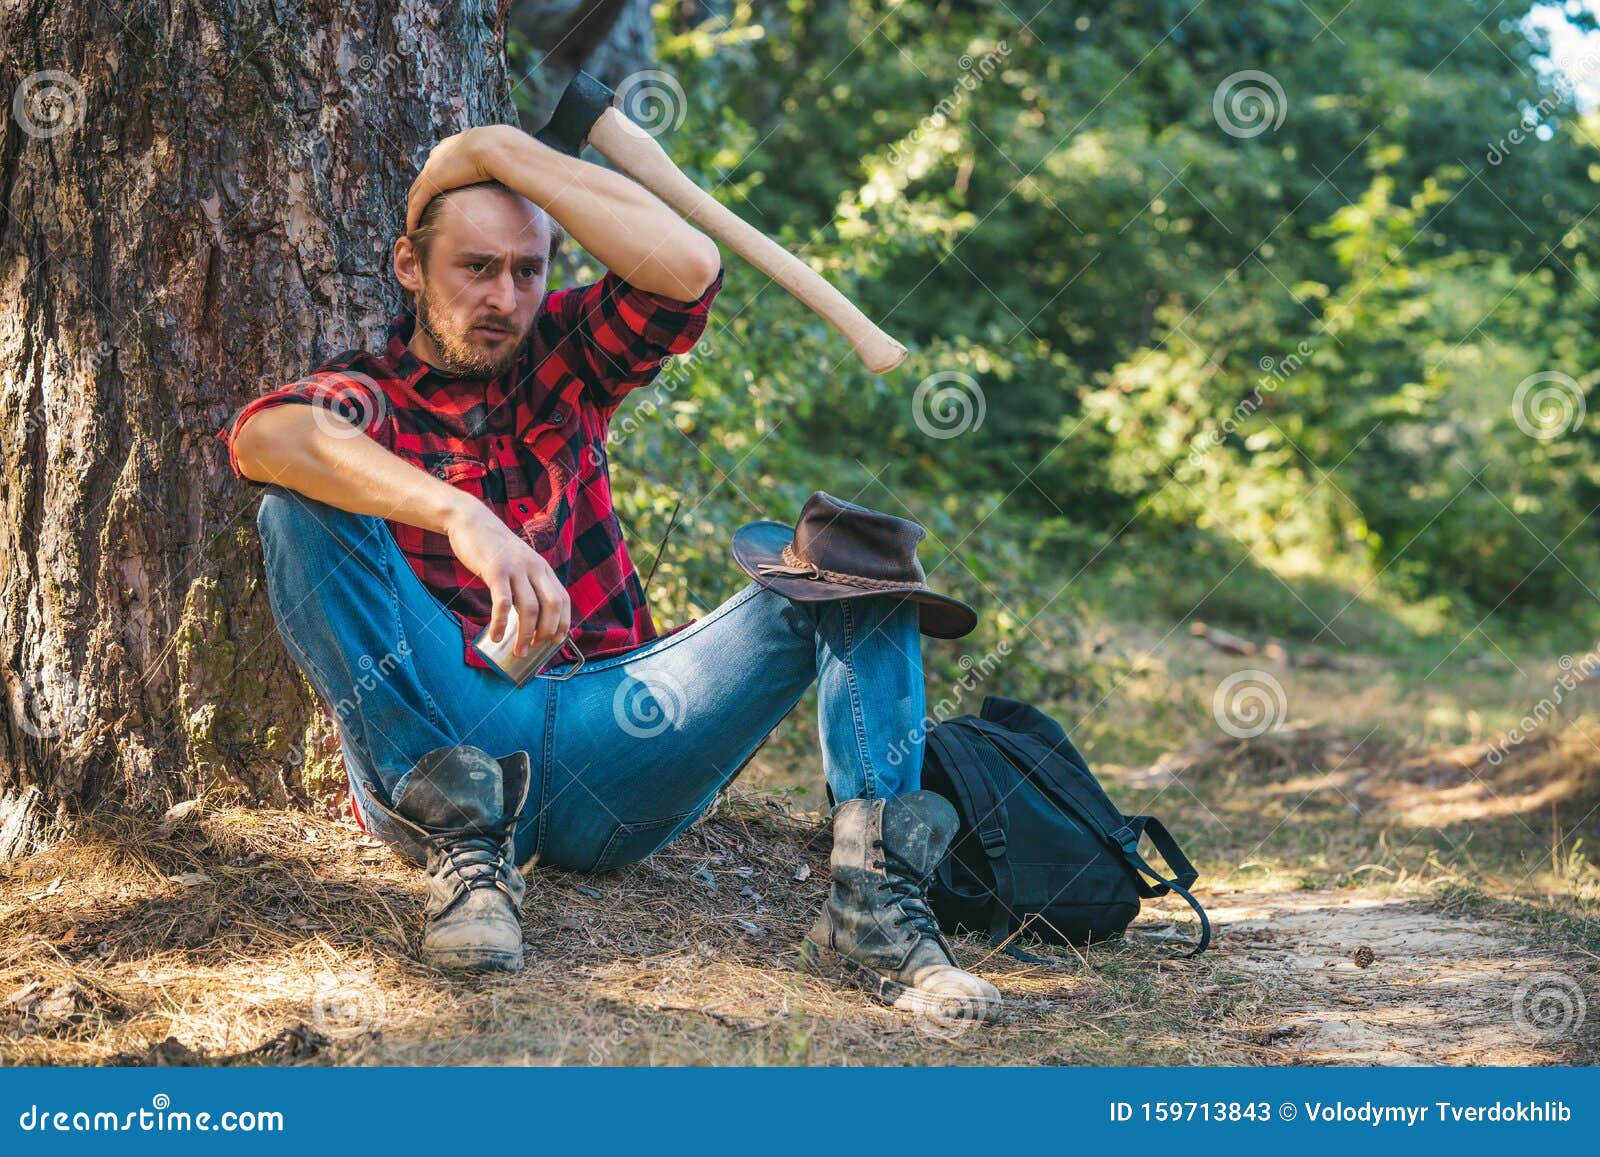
[633,842]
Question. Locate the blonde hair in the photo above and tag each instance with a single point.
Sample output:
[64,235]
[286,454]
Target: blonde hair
[428,224]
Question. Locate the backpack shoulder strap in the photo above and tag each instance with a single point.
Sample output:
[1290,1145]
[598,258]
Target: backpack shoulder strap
[1073,784]
[970,761]
[1181,882]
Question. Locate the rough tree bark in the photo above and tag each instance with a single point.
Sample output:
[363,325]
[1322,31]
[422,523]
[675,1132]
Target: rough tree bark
[197,201]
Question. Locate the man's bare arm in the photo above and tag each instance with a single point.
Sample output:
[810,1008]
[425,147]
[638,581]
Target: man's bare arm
[626,227]
[305,451]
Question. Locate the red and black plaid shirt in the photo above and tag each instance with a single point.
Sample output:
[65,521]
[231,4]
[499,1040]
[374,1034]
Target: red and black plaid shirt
[530,444]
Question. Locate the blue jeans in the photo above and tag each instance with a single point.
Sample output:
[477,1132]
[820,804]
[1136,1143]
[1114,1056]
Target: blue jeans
[631,749]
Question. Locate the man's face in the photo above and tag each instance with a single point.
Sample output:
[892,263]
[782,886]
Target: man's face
[484,282]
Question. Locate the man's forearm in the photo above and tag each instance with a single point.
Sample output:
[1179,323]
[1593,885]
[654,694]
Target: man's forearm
[625,226]
[289,446]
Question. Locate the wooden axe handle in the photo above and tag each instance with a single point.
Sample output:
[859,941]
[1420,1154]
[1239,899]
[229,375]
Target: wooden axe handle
[636,153]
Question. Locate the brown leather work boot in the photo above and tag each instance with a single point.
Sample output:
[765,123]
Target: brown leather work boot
[462,805]
[876,931]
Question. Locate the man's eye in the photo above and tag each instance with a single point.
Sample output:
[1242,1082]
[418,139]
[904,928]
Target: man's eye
[530,271]
[475,266]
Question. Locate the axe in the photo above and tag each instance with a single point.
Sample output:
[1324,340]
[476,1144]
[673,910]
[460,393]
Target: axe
[586,115]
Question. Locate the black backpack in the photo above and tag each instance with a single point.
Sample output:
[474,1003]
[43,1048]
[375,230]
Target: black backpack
[1039,841]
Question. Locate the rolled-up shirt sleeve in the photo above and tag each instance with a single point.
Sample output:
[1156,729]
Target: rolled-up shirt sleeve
[615,336]
[353,396]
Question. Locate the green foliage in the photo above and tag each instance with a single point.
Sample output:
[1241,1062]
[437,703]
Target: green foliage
[1270,373]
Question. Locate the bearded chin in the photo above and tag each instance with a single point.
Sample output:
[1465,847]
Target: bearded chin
[456,350]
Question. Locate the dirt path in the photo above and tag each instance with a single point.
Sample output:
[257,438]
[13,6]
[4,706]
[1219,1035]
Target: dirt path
[1439,989]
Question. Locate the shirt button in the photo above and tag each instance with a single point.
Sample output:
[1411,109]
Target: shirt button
[557,417]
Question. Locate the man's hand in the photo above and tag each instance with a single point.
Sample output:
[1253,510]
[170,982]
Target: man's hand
[654,249]
[453,163]
[516,575]
[298,447]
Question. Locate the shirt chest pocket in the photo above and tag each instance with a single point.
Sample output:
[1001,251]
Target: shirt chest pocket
[557,448]
[462,471]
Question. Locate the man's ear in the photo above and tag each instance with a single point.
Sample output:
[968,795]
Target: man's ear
[407,269]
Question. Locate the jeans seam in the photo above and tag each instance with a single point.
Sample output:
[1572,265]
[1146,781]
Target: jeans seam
[546,762]
[857,709]
[390,549]
[666,822]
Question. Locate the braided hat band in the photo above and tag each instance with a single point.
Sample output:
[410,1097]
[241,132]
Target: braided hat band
[802,568]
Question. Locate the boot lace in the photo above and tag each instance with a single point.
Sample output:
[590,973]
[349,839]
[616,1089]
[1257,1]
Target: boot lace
[907,886]
[474,855]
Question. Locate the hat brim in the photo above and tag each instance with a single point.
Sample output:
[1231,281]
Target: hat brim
[755,543]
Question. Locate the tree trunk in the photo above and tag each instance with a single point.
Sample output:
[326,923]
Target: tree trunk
[195,206]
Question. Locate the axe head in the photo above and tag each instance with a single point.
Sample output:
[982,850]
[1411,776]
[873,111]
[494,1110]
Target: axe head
[580,106]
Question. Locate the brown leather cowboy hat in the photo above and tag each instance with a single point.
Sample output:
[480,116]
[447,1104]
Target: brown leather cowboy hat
[839,550]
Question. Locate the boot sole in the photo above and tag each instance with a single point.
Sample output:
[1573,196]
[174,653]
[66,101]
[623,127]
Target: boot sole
[472,959]
[825,962]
